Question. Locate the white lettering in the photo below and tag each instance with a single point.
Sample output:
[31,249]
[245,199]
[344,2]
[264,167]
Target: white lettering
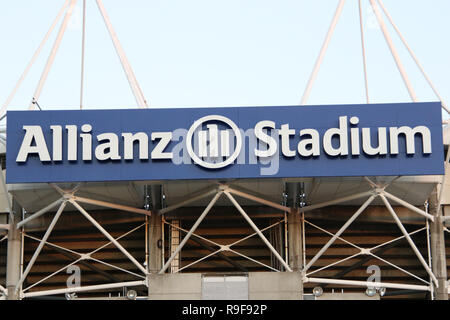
[33,133]
[108,150]
[264,137]
[158,151]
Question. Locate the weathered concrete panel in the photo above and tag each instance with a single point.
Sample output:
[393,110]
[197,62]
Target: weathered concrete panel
[275,286]
[175,286]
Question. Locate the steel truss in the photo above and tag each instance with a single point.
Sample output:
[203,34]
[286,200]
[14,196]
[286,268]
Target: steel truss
[228,192]
[377,191]
[69,196]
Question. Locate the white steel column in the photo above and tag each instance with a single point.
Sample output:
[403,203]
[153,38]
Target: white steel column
[326,42]
[83,36]
[361,26]
[390,43]
[33,59]
[123,59]
[86,288]
[372,284]
[51,58]
[416,60]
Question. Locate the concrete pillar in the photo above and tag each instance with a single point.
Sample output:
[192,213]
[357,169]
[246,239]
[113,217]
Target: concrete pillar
[295,243]
[155,244]
[295,240]
[14,258]
[438,258]
[155,232]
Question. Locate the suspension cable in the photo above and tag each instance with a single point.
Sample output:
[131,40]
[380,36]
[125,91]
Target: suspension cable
[83,35]
[366,82]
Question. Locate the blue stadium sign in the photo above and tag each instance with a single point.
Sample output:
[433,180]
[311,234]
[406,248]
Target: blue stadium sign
[224,143]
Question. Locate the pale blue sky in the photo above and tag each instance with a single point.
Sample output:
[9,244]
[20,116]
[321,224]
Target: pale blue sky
[211,53]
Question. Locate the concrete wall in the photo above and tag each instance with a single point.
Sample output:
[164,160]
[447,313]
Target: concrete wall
[177,286]
[261,285]
[275,286]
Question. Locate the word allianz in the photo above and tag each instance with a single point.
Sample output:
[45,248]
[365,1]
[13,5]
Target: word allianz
[108,148]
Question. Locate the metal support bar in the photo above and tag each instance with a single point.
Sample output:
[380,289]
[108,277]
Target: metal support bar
[253,234]
[396,239]
[366,82]
[394,53]
[111,205]
[332,234]
[58,189]
[416,60]
[41,245]
[82,256]
[380,249]
[258,199]
[116,267]
[189,199]
[366,283]
[33,59]
[398,268]
[52,55]
[141,102]
[411,243]
[3,290]
[86,288]
[260,234]
[194,227]
[407,205]
[39,213]
[219,254]
[325,44]
[194,234]
[50,244]
[253,260]
[73,256]
[199,260]
[335,201]
[341,230]
[83,38]
[334,263]
[110,238]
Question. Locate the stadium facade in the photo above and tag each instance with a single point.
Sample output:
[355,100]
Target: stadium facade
[282,202]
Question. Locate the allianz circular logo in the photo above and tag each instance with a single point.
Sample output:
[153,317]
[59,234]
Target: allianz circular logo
[213,143]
